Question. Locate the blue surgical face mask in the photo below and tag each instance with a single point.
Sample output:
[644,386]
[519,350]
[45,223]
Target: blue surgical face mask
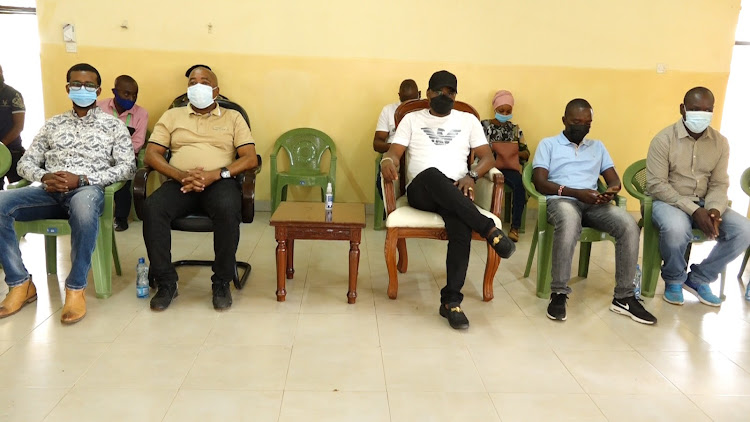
[82,97]
[122,102]
[502,118]
[698,121]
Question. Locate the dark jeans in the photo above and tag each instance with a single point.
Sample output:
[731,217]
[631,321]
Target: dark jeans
[432,191]
[12,174]
[221,201]
[123,198]
[515,181]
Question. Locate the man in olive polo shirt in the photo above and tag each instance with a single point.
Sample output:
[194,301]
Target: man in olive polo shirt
[204,140]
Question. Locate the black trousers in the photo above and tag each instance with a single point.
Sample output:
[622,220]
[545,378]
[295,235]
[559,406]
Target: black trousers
[123,198]
[12,174]
[515,181]
[432,191]
[221,201]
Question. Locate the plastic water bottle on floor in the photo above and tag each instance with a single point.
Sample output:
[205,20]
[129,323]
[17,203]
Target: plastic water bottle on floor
[329,197]
[747,291]
[141,282]
[637,281]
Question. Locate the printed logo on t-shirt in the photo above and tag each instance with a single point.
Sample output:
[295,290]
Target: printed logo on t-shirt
[440,138]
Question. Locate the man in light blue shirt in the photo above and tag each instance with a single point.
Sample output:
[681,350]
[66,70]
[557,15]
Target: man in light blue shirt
[567,169]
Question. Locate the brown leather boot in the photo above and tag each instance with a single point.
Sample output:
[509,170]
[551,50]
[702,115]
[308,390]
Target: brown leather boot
[18,297]
[75,306]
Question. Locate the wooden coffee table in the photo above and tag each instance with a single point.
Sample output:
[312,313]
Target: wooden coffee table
[309,220]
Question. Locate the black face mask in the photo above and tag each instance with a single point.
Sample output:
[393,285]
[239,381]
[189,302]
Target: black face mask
[576,133]
[442,104]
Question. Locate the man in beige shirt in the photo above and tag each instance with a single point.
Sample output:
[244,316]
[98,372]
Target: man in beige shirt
[686,173]
[204,140]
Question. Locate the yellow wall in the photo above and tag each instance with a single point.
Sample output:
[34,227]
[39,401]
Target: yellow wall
[333,65]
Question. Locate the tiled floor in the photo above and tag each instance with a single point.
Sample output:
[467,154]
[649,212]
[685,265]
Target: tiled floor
[316,358]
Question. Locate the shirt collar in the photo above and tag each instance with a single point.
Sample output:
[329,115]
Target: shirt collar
[683,133]
[89,113]
[215,112]
[563,140]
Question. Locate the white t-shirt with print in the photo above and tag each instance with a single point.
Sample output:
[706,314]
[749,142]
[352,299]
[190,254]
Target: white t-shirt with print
[386,121]
[440,142]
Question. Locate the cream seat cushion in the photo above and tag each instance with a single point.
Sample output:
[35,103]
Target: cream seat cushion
[406,216]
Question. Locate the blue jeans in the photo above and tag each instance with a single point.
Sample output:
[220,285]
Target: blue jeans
[568,216]
[82,208]
[676,231]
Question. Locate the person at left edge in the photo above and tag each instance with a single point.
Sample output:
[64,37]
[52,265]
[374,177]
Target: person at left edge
[75,155]
[135,117]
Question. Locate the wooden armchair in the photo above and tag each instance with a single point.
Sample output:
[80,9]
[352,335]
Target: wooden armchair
[404,222]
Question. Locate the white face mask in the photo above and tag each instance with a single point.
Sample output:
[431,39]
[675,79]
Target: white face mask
[201,96]
[698,121]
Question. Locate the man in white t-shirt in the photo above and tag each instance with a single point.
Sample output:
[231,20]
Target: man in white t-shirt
[386,127]
[439,141]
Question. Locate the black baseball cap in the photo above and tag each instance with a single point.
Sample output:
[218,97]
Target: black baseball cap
[187,72]
[441,79]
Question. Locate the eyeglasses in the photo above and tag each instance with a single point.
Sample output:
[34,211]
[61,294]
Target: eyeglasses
[76,86]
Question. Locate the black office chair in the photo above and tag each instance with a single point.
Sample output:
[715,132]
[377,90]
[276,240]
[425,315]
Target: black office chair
[201,222]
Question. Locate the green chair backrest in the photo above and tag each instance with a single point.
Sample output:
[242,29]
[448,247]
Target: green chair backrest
[305,148]
[5,160]
[745,181]
[634,179]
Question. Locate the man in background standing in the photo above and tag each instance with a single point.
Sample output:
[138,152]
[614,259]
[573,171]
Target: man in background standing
[12,114]
[135,118]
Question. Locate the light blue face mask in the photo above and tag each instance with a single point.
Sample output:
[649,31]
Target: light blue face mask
[502,118]
[82,97]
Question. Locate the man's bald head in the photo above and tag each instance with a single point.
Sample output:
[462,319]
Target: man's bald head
[408,90]
[696,99]
[575,105]
[203,75]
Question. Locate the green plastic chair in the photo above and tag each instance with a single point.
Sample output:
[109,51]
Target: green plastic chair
[745,184]
[5,161]
[541,243]
[634,181]
[379,206]
[305,148]
[101,263]
[508,205]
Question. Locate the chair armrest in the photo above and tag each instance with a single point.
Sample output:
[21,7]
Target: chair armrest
[489,190]
[140,181]
[114,187]
[389,195]
[19,184]
[247,181]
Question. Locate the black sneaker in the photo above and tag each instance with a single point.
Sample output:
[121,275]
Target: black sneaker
[120,225]
[222,296]
[632,307]
[501,243]
[455,316]
[163,297]
[556,308]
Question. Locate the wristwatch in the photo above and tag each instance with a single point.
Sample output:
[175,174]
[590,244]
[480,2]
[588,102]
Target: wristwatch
[82,181]
[474,175]
[225,174]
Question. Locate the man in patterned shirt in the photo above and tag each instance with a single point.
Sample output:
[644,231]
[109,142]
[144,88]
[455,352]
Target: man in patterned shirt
[75,155]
